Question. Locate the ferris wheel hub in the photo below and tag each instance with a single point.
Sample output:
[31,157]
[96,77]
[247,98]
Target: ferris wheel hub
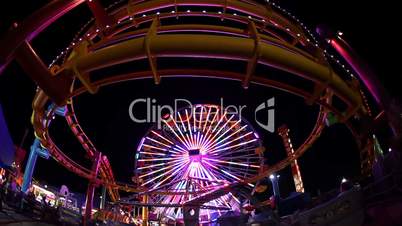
[195,154]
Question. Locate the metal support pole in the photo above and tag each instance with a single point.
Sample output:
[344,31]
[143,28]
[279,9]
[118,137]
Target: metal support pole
[145,211]
[30,167]
[91,189]
[103,198]
[283,131]
[275,185]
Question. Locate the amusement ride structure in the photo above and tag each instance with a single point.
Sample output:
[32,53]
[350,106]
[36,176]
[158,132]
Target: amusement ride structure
[192,156]
[205,154]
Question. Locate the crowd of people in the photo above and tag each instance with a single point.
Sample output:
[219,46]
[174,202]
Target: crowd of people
[13,199]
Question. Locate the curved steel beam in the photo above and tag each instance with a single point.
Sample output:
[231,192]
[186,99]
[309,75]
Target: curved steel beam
[105,168]
[32,26]
[372,83]
[177,45]
[212,29]
[45,16]
[256,10]
[79,170]
[218,47]
[313,136]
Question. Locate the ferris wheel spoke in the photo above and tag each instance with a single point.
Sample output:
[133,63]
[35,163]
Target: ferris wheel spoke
[245,157]
[208,134]
[239,156]
[165,173]
[236,171]
[154,147]
[194,120]
[226,131]
[189,126]
[199,137]
[182,122]
[234,197]
[218,140]
[151,153]
[153,150]
[177,136]
[222,127]
[158,142]
[160,136]
[244,150]
[181,133]
[218,173]
[189,138]
[231,174]
[169,150]
[231,167]
[219,122]
[207,141]
[179,149]
[232,163]
[233,146]
[207,174]
[236,168]
[206,120]
[200,120]
[230,142]
[211,176]
[159,164]
[213,121]
[158,159]
[150,166]
[227,137]
[172,174]
[161,169]
[183,177]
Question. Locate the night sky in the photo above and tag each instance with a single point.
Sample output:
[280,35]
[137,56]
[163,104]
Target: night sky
[367,25]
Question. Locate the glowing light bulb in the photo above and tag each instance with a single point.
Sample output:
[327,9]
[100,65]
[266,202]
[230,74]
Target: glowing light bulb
[344,180]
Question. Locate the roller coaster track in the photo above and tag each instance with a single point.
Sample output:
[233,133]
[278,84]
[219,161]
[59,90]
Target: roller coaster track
[268,39]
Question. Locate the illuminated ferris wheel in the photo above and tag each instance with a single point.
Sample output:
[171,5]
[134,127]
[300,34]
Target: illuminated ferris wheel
[194,151]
